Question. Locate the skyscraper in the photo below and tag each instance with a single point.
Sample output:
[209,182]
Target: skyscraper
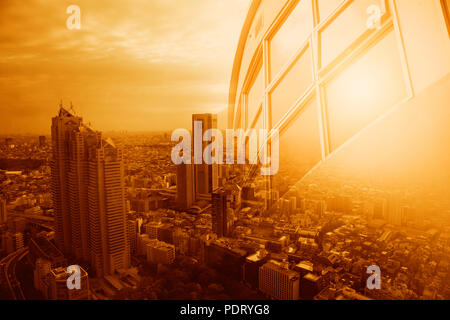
[185,185]
[88,195]
[62,126]
[219,213]
[206,176]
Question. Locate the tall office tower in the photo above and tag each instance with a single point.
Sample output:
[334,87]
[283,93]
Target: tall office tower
[107,214]
[132,233]
[3,211]
[278,282]
[88,195]
[205,176]
[81,142]
[62,126]
[185,185]
[219,213]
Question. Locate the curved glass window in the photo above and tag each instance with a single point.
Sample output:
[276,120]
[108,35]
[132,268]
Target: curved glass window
[325,7]
[364,90]
[300,147]
[290,37]
[291,87]
[255,96]
[344,29]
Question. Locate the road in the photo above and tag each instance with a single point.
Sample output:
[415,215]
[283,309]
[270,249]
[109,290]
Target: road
[8,273]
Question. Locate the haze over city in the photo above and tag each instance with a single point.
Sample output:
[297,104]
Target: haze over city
[131,66]
[102,199]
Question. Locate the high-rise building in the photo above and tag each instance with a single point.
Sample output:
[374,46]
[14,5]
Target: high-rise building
[62,126]
[132,232]
[185,185]
[3,211]
[88,195]
[226,201]
[219,213]
[278,282]
[205,175]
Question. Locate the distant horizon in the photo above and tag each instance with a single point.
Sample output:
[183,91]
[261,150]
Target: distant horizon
[146,66]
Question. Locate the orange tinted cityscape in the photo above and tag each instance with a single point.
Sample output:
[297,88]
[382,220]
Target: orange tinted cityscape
[225,150]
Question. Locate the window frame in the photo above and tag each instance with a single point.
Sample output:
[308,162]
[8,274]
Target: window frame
[321,74]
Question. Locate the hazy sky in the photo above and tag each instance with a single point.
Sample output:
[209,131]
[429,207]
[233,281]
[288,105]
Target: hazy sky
[134,65]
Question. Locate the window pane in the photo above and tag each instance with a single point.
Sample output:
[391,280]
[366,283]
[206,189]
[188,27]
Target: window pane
[255,96]
[364,91]
[345,29]
[291,87]
[300,148]
[326,7]
[292,34]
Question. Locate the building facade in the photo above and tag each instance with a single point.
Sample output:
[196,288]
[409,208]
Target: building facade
[185,185]
[206,176]
[88,195]
[160,252]
[278,282]
[219,213]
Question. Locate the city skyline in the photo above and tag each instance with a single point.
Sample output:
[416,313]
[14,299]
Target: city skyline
[333,126]
[173,64]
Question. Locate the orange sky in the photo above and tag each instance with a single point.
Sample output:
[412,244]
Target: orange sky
[134,65]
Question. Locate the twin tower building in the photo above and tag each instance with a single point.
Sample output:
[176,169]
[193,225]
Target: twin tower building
[88,195]
[89,192]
